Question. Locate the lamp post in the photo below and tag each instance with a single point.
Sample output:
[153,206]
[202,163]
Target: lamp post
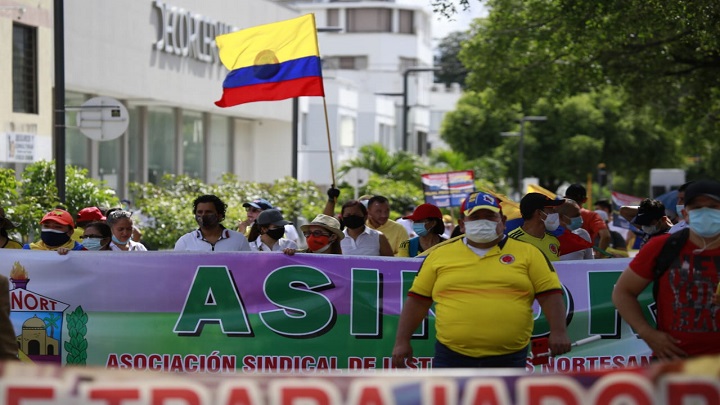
[405,108]
[521,146]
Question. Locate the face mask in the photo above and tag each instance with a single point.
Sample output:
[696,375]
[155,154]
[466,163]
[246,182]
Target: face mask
[317,243]
[353,221]
[276,233]
[649,229]
[208,221]
[552,221]
[679,208]
[118,241]
[92,243]
[575,223]
[52,237]
[481,231]
[420,229]
[705,222]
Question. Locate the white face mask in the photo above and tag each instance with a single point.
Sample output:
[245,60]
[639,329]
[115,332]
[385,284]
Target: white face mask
[552,221]
[481,231]
[650,230]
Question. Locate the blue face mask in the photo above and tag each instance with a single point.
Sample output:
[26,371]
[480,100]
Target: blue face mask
[92,243]
[575,223]
[705,222]
[679,208]
[118,241]
[419,229]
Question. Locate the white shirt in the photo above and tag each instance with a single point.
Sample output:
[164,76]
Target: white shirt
[230,241]
[408,224]
[282,243]
[366,244]
[291,233]
[131,245]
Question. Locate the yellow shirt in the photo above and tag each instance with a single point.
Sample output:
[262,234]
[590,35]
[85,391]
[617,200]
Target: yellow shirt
[394,232]
[483,305]
[77,233]
[548,244]
[11,244]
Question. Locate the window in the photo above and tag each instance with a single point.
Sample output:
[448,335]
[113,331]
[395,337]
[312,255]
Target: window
[406,63]
[347,131]
[161,143]
[134,143]
[193,139]
[24,69]
[369,20]
[407,22]
[333,18]
[346,62]
[220,147]
[77,145]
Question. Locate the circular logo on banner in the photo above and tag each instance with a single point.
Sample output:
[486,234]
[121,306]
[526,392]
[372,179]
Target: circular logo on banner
[507,259]
[266,65]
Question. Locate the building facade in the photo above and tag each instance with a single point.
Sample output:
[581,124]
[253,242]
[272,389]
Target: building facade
[159,59]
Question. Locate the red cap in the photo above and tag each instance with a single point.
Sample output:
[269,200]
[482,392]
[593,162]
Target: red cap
[62,217]
[90,214]
[424,211]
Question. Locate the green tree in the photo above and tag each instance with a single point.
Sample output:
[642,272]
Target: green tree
[36,194]
[51,322]
[400,166]
[448,50]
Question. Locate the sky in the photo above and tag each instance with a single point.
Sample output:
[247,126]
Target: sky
[461,21]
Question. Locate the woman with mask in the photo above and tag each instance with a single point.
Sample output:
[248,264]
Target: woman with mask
[57,227]
[97,236]
[428,225]
[121,225]
[323,235]
[271,226]
[359,239]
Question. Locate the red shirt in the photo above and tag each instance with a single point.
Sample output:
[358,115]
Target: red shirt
[684,303]
[592,222]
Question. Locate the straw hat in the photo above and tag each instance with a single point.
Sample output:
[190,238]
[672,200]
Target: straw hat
[327,222]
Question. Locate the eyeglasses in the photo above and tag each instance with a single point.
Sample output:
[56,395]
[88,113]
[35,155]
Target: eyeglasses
[316,234]
[92,237]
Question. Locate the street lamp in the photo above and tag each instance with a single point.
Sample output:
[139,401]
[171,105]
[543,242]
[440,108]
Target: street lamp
[521,134]
[405,108]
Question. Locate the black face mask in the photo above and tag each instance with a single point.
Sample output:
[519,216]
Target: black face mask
[276,233]
[353,221]
[54,239]
[208,221]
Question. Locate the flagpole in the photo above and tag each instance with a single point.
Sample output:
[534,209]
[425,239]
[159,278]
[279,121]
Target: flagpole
[327,129]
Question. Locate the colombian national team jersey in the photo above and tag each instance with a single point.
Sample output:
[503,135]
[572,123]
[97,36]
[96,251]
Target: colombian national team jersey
[549,244]
[484,304]
[684,304]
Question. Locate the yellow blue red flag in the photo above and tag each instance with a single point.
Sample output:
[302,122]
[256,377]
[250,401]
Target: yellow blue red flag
[271,62]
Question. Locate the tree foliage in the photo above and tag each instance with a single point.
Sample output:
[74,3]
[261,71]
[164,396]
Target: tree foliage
[452,70]
[168,204]
[27,201]
[662,58]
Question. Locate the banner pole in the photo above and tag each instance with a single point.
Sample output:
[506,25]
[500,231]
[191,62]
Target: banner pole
[327,129]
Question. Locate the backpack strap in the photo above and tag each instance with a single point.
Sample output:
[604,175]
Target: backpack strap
[668,254]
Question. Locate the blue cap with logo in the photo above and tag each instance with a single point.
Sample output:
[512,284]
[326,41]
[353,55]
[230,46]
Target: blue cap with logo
[479,200]
[259,203]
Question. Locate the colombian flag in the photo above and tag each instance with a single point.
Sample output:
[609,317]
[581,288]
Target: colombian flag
[271,62]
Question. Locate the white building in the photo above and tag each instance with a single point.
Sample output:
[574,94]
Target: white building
[159,59]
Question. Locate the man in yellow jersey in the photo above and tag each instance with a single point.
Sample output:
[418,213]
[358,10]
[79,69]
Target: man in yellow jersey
[379,219]
[483,286]
[538,212]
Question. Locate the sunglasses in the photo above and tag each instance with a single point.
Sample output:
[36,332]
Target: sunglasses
[252,209]
[316,234]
